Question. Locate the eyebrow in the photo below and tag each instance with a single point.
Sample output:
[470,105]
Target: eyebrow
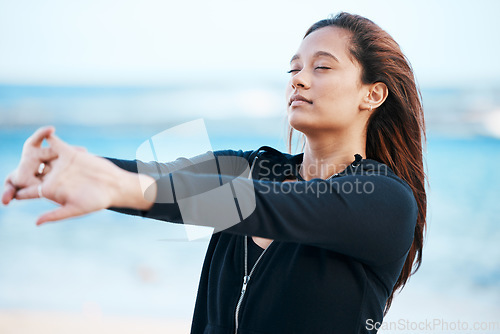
[317,54]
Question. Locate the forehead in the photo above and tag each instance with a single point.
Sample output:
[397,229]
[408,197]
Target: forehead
[330,39]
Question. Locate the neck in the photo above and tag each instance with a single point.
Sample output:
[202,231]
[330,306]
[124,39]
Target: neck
[324,157]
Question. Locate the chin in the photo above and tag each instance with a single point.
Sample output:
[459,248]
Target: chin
[301,122]
[309,125]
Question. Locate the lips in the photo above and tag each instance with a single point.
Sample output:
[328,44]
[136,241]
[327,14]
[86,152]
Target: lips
[298,97]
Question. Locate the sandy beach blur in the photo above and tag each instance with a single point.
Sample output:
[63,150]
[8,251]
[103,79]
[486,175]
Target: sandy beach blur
[29,322]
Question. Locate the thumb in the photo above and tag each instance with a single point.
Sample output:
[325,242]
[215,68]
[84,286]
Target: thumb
[9,190]
[8,194]
[63,212]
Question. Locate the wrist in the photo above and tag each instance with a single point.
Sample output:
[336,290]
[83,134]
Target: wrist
[135,191]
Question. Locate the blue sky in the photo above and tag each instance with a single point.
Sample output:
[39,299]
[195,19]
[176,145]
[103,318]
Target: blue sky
[160,42]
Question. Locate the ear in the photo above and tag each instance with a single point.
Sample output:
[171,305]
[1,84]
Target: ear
[377,94]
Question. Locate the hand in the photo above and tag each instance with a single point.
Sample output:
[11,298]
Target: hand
[80,182]
[26,175]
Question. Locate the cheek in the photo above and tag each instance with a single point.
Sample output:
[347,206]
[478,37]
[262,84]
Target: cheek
[338,94]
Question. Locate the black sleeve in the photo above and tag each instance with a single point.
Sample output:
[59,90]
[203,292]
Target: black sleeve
[369,217]
[197,164]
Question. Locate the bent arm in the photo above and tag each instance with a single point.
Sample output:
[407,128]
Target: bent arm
[374,225]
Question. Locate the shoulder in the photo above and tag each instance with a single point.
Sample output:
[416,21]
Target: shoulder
[265,160]
[372,167]
[389,186]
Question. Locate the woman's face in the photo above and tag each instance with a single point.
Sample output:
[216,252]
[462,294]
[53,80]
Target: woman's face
[324,74]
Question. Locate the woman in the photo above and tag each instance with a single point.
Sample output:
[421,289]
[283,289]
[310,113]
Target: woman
[323,252]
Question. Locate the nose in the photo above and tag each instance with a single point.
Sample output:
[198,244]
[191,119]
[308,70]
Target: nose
[300,80]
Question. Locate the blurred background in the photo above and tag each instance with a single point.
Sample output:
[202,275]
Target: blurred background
[111,74]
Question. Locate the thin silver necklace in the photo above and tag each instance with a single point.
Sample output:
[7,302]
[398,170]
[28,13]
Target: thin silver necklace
[328,178]
[357,160]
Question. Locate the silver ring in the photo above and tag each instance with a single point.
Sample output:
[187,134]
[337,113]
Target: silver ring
[40,194]
[41,168]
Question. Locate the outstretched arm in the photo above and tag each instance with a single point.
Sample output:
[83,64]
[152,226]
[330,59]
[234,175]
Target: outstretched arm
[374,226]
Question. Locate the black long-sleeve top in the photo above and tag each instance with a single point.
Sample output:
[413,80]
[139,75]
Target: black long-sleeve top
[339,244]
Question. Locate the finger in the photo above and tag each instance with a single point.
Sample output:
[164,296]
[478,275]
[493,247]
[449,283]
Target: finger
[42,163]
[28,192]
[37,138]
[63,212]
[46,170]
[8,193]
[46,154]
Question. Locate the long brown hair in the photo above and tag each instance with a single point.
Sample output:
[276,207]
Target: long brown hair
[396,129]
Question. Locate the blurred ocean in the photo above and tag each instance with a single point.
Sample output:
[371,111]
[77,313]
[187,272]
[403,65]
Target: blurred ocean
[114,264]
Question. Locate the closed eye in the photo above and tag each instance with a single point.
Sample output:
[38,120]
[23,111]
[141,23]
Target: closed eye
[292,71]
[323,68]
